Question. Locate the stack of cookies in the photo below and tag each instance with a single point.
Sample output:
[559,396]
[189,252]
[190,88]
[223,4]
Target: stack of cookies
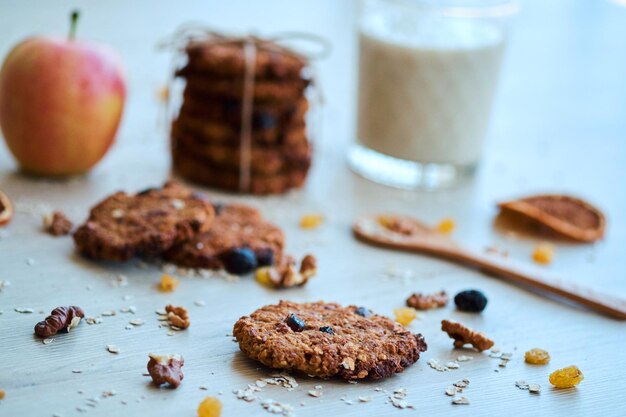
[208,143]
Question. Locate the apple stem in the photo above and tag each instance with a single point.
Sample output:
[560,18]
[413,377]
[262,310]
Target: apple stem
[73,22]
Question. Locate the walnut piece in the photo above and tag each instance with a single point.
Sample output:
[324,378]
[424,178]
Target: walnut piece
[463,335]
[286,275]
[61,319]
[421,301]
[57,224]
[177,316]
[165,369]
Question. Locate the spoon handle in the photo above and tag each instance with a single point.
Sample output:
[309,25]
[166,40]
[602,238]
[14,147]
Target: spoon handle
[531,277]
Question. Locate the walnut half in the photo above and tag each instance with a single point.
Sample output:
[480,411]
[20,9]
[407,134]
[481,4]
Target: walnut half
[60,319]
[463,335]
[165,369]
[177,316]
[421,301]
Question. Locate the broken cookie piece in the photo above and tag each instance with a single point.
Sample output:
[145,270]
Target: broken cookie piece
[57,224]
[421,301]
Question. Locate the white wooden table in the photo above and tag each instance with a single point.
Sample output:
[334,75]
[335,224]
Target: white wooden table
[559,125]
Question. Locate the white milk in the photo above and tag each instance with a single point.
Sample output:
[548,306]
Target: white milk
[426,87]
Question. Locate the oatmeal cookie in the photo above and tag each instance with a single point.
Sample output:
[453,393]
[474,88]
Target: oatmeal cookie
[326,340]
[147,223]
[235,226]
[264,90]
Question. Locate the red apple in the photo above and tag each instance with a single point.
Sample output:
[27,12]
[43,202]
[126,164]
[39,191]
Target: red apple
[61,101]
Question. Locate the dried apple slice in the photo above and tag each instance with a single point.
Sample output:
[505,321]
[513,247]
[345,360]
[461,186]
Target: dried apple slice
[6,209]
[568,216]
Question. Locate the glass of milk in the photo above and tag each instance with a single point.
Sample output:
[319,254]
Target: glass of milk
[428,71]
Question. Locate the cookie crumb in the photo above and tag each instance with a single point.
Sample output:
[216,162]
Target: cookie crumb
[460,401]
[463,335]
[57,224]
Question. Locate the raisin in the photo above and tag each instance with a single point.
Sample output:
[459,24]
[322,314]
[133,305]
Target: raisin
[566,377]
[168,283]
[405,315]
[446,226]
[240,261]
[470,300]
[543,253]
[327,329]
[265,120]
[537,357]
[295,323]
[265,257]
[210,407]
[362,311]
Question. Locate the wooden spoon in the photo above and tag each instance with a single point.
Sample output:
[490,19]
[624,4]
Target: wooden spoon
[406,233]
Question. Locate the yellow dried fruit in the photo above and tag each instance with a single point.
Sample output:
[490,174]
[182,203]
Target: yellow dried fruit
[311,221]
[210,407]
[163,93]
[168,283]
[405,315]
[543,253]
[446,226]
[263,276]
[2,394]
[537,356]
[567,377]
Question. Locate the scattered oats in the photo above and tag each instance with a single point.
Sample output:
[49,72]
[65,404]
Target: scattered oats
[452,365]
[113,349]
[397,399]
[47,341]
[129,327]
[464,358]
[129,309]
[4,283]
[108,313]
[451,391]
[315,393]
[161,312]
[348,402]
[77,371]
[534,388]
[119,281]
[81,409]
[460,401]
[30,262]
[200,303]
[260,383]
[24,310]
[178,204]
[365,399]
[93,401]
[247,394]
[203,388]
[136,322]
[462,383]
[378,389]
[436,365]
[110,393]
[521,384]
[275,407]
[318,387]
[506,356]
[282,379]
[117,213]
[170,333]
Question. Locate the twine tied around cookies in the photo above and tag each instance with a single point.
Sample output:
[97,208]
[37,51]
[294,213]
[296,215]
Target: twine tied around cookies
[250,45]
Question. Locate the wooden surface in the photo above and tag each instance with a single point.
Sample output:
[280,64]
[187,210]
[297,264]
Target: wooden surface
[559,125]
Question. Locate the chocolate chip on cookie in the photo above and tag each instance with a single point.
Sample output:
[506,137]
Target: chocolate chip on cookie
[331,340]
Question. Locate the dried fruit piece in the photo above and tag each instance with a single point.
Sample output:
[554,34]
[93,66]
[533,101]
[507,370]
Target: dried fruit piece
[177,316]
[57,224]
[405,315]
[210,407]
[470,300]
[327,329]
[567,377]
[568,216]
[446,226]
[295,323]
[2,394]
[463,335]
[543,253]
[168,283]
[363,311]
[6,209]
[537,356]
[286,275]
[421,301]
[311,221]
[240,261]
[61,319]
[165,369]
